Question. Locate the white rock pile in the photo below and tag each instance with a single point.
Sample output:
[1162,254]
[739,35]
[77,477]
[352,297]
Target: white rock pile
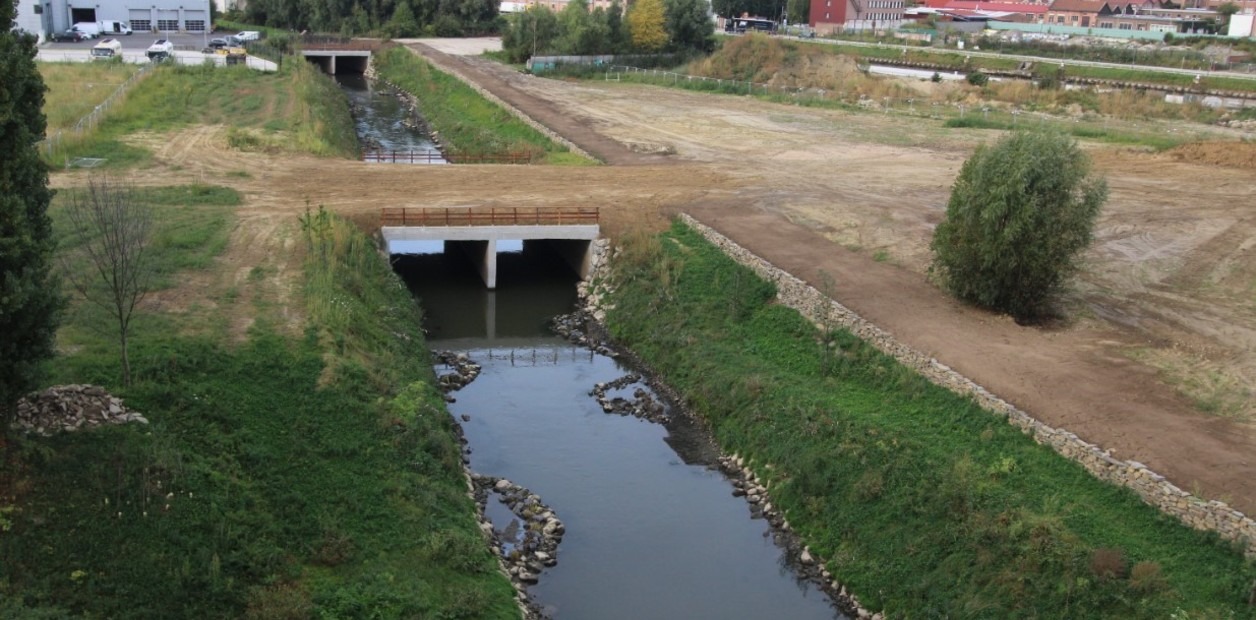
[70,408]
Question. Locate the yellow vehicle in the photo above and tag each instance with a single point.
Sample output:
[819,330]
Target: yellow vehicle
[234,55]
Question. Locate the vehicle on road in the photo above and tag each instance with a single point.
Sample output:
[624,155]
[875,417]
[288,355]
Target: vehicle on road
[248,35]
[89,30]
[160,50]
[233,55]
[67,36]
[115,27]
[107,48]
[217,44]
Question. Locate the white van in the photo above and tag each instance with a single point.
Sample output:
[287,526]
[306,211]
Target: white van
[248,35]
[107,48]
[90,30]
[115,27]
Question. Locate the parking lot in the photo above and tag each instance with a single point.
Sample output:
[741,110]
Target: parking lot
[141,40]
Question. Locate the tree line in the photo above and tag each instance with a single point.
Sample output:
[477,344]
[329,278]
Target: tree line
[647,27]
[391,18]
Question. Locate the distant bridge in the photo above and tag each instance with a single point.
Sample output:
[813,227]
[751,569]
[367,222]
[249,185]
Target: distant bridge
[476,231]
[338,55]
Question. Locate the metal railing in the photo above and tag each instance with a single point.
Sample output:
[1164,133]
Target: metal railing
[436,157]
[403,157]
[491,216]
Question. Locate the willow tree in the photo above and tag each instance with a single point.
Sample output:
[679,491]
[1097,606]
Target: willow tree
[29,300]
[1019,216]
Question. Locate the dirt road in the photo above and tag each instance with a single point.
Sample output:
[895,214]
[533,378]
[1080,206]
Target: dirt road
[1170,280]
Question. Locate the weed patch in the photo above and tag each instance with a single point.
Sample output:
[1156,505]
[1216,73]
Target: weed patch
[468,123]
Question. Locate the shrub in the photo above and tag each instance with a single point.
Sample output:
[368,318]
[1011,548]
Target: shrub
[1107,563]
[1145,577]
[977,78]
[1019,215]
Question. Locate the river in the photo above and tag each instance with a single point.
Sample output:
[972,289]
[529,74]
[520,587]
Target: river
[652,527]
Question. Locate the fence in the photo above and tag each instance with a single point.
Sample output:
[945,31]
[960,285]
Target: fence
[492,216]
[89,122]
[994,116]
[403,157]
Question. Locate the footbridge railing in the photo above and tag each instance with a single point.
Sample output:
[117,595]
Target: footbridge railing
[492,216]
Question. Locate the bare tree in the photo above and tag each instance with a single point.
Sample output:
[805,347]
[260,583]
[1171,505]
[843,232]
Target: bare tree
[111,224]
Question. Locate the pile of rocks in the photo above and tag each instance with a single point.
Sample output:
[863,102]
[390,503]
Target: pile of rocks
[643,404]
[528,544]
[70,408]
[575,328]
[464,371]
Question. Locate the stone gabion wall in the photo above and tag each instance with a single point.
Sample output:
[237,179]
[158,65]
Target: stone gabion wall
[1153,488]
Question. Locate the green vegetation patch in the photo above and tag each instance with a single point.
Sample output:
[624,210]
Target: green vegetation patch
[76,88]
[309,477]
[922,502]
[468,123]
[314,110]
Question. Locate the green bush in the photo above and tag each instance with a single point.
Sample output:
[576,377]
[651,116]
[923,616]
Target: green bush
[1019,215]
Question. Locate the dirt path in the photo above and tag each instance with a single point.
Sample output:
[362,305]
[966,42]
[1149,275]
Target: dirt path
[1169,282]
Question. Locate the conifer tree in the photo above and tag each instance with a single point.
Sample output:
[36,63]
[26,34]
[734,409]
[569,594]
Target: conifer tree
[29,302]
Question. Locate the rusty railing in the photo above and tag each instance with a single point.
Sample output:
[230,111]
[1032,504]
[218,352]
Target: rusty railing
[493,216]
[403,157]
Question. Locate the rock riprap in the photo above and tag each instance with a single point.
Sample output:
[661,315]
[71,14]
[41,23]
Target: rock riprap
[70,408]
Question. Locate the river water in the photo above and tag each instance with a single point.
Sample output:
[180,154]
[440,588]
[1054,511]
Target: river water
[383,122]
[652,528]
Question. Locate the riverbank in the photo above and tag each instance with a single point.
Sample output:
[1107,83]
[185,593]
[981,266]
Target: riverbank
[292,474]
[918,500]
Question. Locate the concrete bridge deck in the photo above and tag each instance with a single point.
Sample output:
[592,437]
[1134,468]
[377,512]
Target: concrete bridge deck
[476,231]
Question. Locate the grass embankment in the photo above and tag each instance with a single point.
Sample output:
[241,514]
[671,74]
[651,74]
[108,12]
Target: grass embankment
[923,503]
[286,477]
[296,110]
[468,123]
[76,88]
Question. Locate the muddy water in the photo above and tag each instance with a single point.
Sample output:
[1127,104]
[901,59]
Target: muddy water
[383,122]
[652,528]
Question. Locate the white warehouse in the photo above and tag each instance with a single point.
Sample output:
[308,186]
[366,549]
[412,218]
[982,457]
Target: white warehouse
[142,15]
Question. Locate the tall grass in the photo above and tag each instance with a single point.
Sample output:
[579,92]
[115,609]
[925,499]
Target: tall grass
[466,122]
[297,110]
[75,88]
[266,485]
[923,503]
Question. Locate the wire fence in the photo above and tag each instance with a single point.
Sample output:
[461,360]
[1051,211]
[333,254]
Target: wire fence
[91,120]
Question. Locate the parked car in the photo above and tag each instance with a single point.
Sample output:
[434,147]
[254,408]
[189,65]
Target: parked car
[160,50]
[248,35]
[217,44]
[67,36]
[89,30]
[107,48]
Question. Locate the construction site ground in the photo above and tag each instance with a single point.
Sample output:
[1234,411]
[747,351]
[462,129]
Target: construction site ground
[1156,362]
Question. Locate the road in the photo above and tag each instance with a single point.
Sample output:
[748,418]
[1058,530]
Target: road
[138,57]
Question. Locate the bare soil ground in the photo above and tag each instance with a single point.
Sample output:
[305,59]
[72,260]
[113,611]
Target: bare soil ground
[1167,300]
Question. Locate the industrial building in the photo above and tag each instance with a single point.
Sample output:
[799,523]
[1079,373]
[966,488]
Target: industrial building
[144,16]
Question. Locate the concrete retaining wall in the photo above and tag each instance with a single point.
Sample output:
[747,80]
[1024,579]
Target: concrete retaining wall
[1153,488]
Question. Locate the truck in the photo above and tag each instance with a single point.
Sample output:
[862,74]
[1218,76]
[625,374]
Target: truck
[108,27]
[160,50]
[107,48]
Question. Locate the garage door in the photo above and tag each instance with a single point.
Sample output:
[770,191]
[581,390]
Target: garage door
[168,21]
[141,20]
[194,21]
